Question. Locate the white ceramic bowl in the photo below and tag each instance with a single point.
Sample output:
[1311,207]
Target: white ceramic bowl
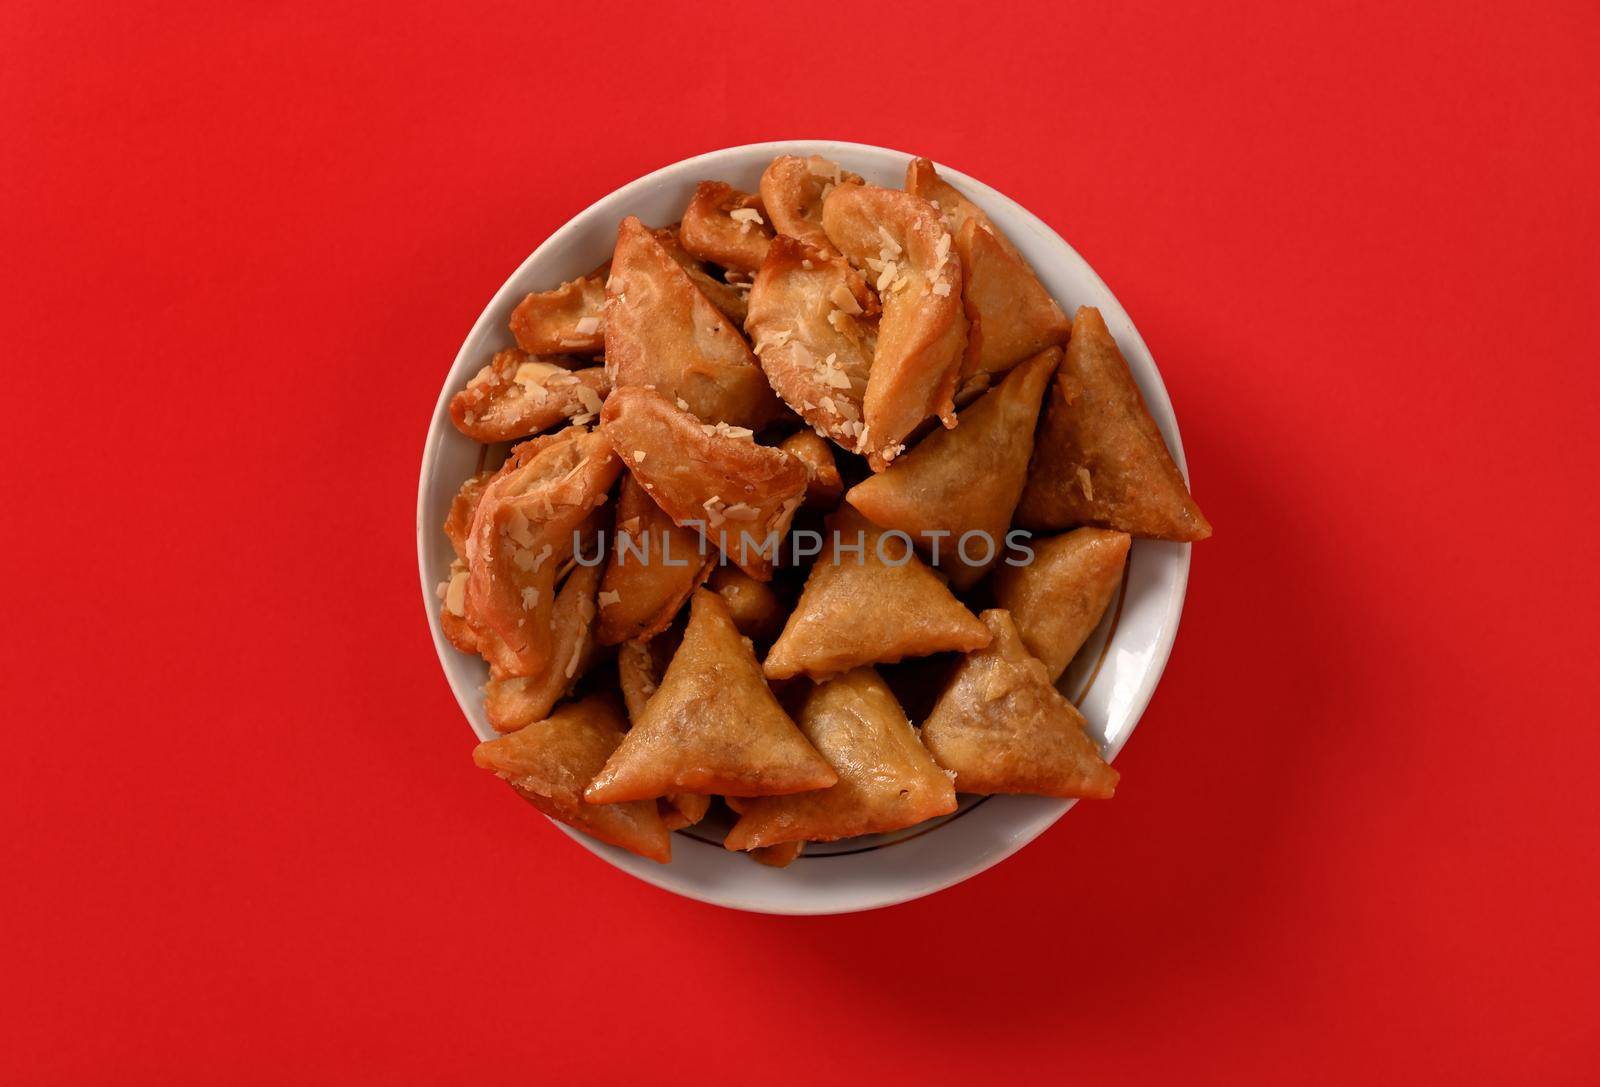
[1112,679]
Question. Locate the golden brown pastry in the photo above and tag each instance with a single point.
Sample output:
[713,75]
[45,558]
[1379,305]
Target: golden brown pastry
[652,568]
[661,330]
[823,484]
[522,532]
[778,856]
[726,227]
[452,592]
[712,727]
[1057,599]
[922,334]
[868,600]
[550,762]
[639,675]
[793,190]
[458,522]
[965,480]
[569,320]
[1013,317]
[679,810]
[924,181]
[729,298]
[814,325]
[1004,728]
[518,395]
[755,608]
[1099,458]
[741,495]
[887,780]
[513,702]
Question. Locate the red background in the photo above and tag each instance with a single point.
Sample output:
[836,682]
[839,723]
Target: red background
[242,837]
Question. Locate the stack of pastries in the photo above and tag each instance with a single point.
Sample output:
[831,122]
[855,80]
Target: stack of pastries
[805,502]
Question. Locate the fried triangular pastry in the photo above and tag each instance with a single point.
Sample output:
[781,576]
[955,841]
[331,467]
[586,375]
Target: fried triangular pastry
[518,395]
[1099,458]
[813,322]
[887,780]
[1004,728]
[458,522]
[661,330]
[715,479]
[1013,317]
[638,675]
[868,600]
[755,608]
[922,335]
[452,592]
[653,567]
[1057,599]
[793,190]
[964,481]
[823,483]
[713,726]
[570,320]
[513,702]
[679,810]
[521,534]
[924,181]
[639,668]
[726,227]
[730,299]
[550,762]
[778,856]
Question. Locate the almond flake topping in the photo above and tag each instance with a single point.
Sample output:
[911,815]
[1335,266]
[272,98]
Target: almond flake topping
[455,596]
[842,297]
[830,374]
[891,249]
[587,326]
[746,218]
[518,529]
[610,597]
[821,167]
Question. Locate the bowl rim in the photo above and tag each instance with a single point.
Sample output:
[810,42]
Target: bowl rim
[1157,401]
